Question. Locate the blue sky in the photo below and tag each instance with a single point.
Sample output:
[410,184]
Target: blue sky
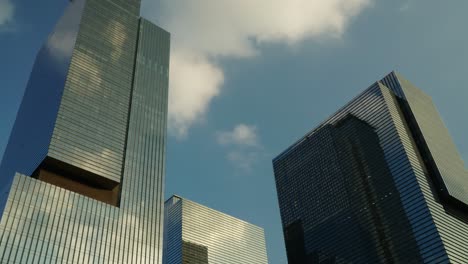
[247,82]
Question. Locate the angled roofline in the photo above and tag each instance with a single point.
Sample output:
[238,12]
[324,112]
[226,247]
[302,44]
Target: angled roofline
[393,75]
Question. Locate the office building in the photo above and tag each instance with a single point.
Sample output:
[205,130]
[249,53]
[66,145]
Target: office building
[82,175]
[380,181]
[196,234]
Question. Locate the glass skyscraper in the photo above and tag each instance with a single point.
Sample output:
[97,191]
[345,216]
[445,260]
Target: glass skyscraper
[380,181]
[196,234]
[83,173]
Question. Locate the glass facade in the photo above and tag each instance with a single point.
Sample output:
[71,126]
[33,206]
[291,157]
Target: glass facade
[196,234]
[84,167]
[380,181]
[41,100]
[91,124]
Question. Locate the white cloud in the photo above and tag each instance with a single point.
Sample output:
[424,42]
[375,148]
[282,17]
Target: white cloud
[243,160]
[194,83]
[242,143]
[62,42]
[207,30]
[6,12]
[405,6]
[241,135]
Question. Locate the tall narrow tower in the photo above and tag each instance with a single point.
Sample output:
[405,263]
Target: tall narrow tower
[83,173]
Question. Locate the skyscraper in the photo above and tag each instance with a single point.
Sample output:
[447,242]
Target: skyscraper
[82,175]
[380,181]
[196,234]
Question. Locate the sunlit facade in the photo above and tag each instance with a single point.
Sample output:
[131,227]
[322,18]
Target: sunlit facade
[196,234]
[380,181]
[83,173]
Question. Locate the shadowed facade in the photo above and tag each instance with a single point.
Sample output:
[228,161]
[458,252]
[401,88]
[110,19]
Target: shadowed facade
[380,181]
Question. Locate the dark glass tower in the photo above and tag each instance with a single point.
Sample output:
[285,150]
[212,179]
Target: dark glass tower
[82,175]
[380,181]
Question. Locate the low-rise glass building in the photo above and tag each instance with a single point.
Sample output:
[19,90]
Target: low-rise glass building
[196,234]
